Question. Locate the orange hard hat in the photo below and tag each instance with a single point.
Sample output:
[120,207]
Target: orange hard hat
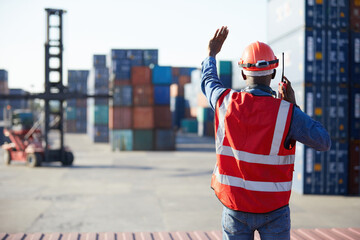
[258,56]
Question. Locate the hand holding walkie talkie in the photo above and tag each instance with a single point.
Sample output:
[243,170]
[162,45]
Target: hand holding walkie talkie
[286,92]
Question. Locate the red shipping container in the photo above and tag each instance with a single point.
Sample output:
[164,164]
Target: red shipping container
[184,80]
[119,83]
[143,95]
[120,118]
[355,15]
[140,75]
[143,118]
[162,117]
[354,167]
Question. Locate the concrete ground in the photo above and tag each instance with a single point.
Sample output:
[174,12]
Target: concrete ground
[137,191]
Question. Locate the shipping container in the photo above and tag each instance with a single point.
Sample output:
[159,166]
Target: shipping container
[101,133]
[161,75]
[101,114]
[338,14]
[337,112]
[143,95]
[225,68]
[118,53]
[354,113]
[355,15]
[140,75]
[81,103]
[184,79]
[285,16]
[122,95]
[81,126]
[205,114]
[143,118]
[226,80]
[177,108]
[99,61]
[161,95]
[121,140]
[337,160]
[150,57]
[354,57]
[206,129]
[354,167]
[71,113]
[70,126]
[4,87]
[120,118]
[135,56]
[189,125]
[3,75]
[81,114]
[162,117]
[143,140]
[338,57]
[120,69]
[176,90]
[164,139]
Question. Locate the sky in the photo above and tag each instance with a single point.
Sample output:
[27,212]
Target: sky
[180,30]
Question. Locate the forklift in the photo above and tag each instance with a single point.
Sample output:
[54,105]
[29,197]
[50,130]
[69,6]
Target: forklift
[26,140]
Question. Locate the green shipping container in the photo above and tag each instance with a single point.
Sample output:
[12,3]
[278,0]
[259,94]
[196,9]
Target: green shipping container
[189,125]
[143,140]
[225,68]
[101,114]
[164,139]
[71,113]
[121,140]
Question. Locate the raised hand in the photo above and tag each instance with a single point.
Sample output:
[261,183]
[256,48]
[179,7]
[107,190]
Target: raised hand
[217,41]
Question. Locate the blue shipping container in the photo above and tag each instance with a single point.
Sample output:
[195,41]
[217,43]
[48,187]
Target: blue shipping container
[3,75]
[177,107]
[101,134]
[135,56]
[315,55]
[121,140]
[338,55]
[99,61]
[164,139]
[121,69]
[118,53]
[150,57]
[161,95]
[314,171]
[336,181]
[337,112]
[226,80]
[122,95]
[161,75]
[338,14]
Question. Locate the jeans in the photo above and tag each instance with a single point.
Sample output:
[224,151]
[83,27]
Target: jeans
[240,225]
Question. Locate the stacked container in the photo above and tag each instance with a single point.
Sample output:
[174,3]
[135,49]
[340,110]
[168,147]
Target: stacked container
[140,117]
[180,107]
[98,108]
[315,39]
[76,109]
[354,97]
[18,103]
[4,89]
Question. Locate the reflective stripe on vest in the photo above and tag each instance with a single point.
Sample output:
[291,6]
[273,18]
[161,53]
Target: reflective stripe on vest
[253,189]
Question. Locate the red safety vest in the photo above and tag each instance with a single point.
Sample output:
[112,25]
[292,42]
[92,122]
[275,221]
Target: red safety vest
[254,170]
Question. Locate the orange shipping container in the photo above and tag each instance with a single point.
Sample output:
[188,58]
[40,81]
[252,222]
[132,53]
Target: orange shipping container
[120,118]
[143,118]
[143,95]
[162,117]
[140,75]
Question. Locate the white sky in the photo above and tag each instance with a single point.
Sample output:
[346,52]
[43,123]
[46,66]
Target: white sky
[180,30]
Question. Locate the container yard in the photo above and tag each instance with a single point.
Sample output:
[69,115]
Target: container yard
[130,125]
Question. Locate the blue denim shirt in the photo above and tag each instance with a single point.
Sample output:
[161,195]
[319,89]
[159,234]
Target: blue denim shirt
[303,128]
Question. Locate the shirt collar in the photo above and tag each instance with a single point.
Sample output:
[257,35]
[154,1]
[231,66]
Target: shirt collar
[261,87]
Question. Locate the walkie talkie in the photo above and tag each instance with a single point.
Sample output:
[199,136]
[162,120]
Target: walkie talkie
[282,81]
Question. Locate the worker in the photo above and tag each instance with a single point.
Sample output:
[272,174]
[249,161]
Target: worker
[255,136]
